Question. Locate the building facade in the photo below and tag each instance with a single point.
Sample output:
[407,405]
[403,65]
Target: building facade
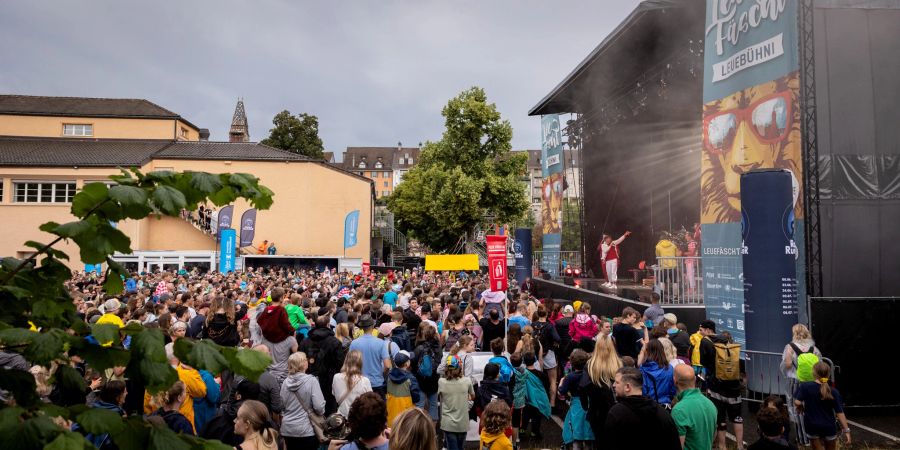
[52,146]
[385,166]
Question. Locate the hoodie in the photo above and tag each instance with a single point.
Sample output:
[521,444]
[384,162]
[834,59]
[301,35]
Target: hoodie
[492,389]
[659,383]
[666,250]
[399,376]
[583,327]
[637,421]
[497,441]
[295,421]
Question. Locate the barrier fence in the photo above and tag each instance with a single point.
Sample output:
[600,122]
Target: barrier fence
[765,375]
[679,280]
[566,259]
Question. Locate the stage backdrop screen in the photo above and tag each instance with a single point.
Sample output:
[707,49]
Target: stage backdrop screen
[751,120]
[551,192]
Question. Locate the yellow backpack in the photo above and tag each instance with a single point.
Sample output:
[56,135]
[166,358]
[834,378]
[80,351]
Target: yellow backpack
[695,348]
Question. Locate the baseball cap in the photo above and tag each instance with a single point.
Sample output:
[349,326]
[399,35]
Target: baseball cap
[387,328]
[568,309]
[110,306]
[401,358]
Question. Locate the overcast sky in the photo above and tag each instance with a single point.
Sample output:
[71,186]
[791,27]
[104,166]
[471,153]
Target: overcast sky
[374,72]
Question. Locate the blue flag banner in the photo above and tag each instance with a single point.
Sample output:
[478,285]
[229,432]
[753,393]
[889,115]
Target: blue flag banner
[224,219]
[551,192]
[226,250]
[248,227]
[351,226]
[522,253]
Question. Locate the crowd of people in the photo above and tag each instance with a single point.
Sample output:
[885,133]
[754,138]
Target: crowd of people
[388,362]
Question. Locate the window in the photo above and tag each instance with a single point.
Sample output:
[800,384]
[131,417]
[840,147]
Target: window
[385,184]
[536,200]
[409,161]
[78,129]
[184,132]
[43,192]
[1,189]
[378,165]
[362,164]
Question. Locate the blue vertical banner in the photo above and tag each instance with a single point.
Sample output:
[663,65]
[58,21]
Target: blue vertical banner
[769,258]
[351,228]
[551,192]
[751,120]
[227,241]
[522,253]
[248,227]
[223,221]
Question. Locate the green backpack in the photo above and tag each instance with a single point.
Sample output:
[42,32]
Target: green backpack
[805,362]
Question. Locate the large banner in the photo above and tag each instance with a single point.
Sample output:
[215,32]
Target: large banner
[751,120]
[551,192]
[248,227]
[522,254]
[223,221]
[496,253]
[770,273]
[226,250]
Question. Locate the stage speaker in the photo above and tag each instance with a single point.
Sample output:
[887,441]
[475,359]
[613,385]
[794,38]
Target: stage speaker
[630,294]
[569,281]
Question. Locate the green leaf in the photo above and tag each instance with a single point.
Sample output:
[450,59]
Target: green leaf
[91,196]
[113,284]
[205,182]
[128,195]
[16,336]
[132,328]
[162,438]
[69,380]
[69,440]
[48,226]
[16,291]
[99,421]
[168,199]
[204,355]
[35,432]
[55,410]
[246,362]
[71,229]
[134,434]
[105,333]
[46,347]
[11,416]
[52,251]
[102,358]
[157,376]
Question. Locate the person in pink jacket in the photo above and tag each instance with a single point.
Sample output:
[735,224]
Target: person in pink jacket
[583,326]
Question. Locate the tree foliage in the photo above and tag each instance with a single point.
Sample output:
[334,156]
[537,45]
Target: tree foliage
[298,134]
[468,173]
[38,317]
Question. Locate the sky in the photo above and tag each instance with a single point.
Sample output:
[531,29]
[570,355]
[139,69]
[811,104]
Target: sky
[374,72]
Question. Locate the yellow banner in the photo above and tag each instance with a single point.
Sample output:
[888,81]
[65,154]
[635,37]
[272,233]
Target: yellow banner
[451,262]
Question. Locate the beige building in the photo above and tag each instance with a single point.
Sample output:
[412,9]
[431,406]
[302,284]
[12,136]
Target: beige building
[385,166]
[51,146]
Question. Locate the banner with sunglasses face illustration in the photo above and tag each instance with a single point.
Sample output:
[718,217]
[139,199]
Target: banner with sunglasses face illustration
[551,192]
[751,120]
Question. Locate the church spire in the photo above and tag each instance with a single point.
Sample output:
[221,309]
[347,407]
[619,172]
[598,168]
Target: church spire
[239,131]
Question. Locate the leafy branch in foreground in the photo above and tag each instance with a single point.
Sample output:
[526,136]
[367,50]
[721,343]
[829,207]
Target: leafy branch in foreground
[33,296]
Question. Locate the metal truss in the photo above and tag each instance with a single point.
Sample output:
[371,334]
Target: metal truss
[809,130]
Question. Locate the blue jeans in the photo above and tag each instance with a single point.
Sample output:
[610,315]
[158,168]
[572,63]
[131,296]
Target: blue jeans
[433,405]
[454,441]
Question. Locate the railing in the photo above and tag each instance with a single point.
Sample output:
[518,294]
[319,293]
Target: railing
[679,280]
[765,375]
[202,223]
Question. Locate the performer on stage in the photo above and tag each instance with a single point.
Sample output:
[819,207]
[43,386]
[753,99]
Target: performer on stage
[609,255]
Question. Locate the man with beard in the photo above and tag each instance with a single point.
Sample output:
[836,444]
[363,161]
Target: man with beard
[326,356]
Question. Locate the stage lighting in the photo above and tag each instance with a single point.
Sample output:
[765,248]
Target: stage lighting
[577,272]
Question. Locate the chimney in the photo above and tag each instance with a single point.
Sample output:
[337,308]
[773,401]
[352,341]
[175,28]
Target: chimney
[204,134]
[399,146]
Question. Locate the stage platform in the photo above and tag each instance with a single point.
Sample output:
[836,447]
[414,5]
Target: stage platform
[624,288]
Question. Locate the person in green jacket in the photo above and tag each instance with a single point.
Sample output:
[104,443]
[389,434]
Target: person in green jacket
[694,414]
[295,312]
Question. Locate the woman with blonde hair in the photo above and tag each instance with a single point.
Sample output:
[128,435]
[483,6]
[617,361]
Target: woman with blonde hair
[302,397]
[342,333]
[601,369]
[801,343]
[255,425]
[349,383]
[528,343]
[413,429]
[169,402]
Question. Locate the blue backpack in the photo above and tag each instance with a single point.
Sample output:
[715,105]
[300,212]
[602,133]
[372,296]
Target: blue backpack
[506,369]
[426,364]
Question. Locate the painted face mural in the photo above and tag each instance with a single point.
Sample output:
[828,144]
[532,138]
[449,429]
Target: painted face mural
[757,128]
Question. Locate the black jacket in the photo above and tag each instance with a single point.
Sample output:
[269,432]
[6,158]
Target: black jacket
[639,422]
[326,357]
[597,401]
[491,389]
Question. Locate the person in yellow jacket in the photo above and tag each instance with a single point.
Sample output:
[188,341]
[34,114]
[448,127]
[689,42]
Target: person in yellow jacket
[193,384]
[666,251]
[495,420]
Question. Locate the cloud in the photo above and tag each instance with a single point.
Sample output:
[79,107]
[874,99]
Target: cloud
[374,72]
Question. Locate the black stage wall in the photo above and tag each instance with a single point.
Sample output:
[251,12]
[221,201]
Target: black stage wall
[857,89]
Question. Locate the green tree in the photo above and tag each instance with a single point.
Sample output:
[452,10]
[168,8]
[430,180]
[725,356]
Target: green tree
[38,317]
[468,173]
[298,134]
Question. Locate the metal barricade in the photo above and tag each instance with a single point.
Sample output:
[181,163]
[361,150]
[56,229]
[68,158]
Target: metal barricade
[679,280]
[766,376]
[567,258]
